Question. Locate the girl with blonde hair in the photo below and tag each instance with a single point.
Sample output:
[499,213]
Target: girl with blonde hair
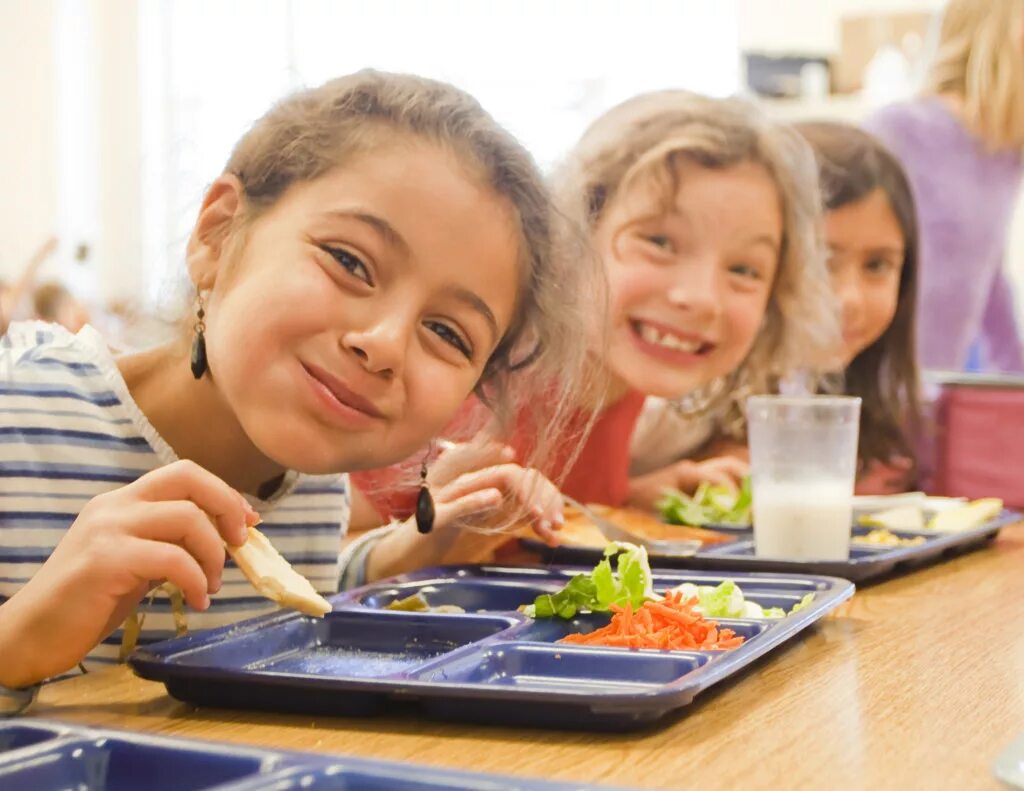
[706,216]
[960,144]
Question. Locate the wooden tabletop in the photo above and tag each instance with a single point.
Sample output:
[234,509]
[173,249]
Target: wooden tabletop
[918,682]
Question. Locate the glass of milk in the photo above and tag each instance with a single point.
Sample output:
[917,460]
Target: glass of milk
[803,466]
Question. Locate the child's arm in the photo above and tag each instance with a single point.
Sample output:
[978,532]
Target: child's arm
[170,524]
[24,282]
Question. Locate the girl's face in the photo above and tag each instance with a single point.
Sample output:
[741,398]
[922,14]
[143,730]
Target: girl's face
[866,259]
[689,287]
[362,308]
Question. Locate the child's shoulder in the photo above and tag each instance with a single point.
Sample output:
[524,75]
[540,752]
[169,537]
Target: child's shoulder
[36,345]
[914,122]
[46,369]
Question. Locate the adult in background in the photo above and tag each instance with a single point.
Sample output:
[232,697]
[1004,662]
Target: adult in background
[961,143]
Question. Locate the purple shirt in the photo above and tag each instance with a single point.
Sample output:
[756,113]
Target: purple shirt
[965,197]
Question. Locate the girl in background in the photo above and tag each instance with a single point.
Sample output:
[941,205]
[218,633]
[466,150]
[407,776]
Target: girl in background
[960,144]
[706,216]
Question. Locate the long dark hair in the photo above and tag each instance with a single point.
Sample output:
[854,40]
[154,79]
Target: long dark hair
[852,165]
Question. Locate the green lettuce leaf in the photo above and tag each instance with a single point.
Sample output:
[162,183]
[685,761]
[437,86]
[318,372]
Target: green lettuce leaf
[630,583]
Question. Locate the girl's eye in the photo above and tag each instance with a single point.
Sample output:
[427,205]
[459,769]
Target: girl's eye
[659,241]
[350,263]
[449,336]
[878,266]
[745,270]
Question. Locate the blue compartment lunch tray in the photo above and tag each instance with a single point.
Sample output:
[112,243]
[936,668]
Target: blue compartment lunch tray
[866,562]
[490,664]
[40,755]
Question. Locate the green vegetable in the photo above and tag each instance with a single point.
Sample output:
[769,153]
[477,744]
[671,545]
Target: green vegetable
[709,505]
[630,583]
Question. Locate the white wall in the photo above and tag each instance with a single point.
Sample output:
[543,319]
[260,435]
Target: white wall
[28,178]
[809,26]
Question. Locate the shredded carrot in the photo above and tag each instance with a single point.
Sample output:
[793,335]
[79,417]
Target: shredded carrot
[670,625]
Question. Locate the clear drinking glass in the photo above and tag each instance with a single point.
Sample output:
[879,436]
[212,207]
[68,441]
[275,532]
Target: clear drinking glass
[803,466]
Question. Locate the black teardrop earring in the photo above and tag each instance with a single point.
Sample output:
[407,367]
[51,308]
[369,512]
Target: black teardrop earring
[424,502]
[199,364]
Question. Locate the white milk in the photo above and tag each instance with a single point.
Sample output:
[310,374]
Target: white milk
[804,521]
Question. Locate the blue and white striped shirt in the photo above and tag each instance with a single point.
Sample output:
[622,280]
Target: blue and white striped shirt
[69,430]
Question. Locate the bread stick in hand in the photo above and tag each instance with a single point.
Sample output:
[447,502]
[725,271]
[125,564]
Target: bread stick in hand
[272,576]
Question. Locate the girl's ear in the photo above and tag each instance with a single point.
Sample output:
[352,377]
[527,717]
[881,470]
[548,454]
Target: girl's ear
[223,202]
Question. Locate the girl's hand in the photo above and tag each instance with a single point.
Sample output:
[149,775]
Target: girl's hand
[170,524]
[489,497]
[458,459]
[686,476]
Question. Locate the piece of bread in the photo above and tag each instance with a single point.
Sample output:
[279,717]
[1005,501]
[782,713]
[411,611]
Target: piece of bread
[272,576]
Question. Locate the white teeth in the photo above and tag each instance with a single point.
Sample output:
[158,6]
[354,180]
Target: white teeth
[652,335]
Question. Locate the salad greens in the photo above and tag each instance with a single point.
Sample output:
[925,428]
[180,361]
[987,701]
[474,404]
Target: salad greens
[710,505]
[727,601]
[630,583]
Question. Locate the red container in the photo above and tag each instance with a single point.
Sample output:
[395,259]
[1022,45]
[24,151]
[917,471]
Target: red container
[979,438]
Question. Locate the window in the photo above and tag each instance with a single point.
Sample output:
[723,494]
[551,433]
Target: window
[545,69]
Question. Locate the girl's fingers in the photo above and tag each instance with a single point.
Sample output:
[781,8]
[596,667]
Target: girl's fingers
[461,459]
[154,560]
[473,504]
[183,523]
[503,477]
[186,480]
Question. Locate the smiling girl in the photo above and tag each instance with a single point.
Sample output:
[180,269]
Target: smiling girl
[376,250]
[706,218]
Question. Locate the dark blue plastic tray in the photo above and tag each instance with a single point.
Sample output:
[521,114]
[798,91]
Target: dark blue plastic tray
[866,563]
[489,665]
[42,756]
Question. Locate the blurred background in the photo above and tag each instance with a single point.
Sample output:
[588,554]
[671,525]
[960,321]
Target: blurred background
[117,114]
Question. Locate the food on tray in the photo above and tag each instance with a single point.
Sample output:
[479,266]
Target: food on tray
[709,505]
[581,532]
[907,517]
[418,603]
[949,516]
[629,586]
[967,517]
[726,600]
[272,576]
[672,624]
[602,588]
[885,538]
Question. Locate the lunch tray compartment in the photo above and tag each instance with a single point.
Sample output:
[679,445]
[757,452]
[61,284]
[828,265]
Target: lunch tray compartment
[866,562]
[495,666]
[70,757]
[484,596]
[347,644]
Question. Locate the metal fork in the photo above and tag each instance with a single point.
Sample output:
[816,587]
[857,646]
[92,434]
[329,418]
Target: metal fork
[613,532]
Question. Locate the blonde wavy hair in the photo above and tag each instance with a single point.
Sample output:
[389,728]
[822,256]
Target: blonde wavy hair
[539,365]
[643,138]
[979,59]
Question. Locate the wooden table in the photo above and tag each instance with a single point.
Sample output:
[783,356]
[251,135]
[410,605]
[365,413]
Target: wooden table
[917,683]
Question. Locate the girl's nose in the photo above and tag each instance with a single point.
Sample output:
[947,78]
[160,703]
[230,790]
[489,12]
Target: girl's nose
[697,288]
[381,348]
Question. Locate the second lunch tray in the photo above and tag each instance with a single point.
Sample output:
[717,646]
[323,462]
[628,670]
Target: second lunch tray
[47,756]
[489,664]
[866,562]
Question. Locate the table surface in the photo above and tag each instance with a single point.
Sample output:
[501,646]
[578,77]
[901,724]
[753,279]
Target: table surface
[914,683]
